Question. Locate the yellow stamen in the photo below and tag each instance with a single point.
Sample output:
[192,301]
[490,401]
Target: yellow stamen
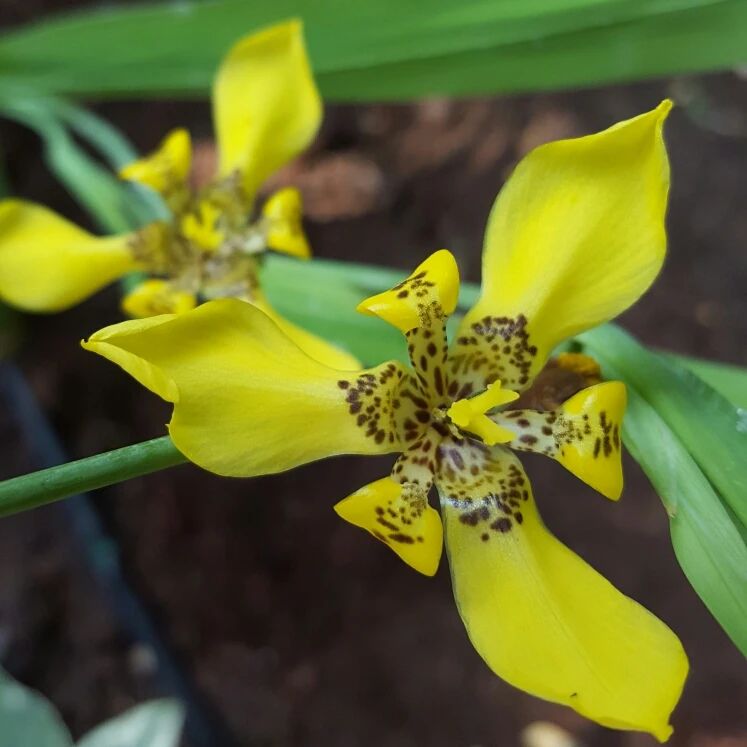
[469,414]
[200,227]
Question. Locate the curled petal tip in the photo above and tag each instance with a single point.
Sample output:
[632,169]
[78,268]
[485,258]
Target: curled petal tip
[664,108]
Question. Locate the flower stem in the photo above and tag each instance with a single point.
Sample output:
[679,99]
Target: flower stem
[53,484]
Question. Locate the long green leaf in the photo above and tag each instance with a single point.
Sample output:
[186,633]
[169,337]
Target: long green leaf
[157,723]
[728,380]
[387,49]
[28,718]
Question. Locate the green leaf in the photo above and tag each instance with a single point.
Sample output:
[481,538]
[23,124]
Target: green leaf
[386,49]
[674,427]
[728,380]
[154,724]
[28,718]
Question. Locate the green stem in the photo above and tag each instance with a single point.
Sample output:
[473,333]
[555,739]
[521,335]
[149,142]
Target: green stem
[53,484]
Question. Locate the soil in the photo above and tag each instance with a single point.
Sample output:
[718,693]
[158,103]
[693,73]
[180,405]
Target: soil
[296,627]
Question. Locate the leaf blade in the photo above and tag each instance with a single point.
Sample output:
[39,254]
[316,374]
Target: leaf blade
[359,54]
[157,723]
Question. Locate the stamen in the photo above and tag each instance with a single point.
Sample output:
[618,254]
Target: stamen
[470,414]
[200,227]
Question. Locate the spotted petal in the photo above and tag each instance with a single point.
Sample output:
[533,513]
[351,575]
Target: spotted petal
[247,400]
[49,264]
[543,619]
[265,104]
[419,307]
[399,516]
[575,236]
[583,434]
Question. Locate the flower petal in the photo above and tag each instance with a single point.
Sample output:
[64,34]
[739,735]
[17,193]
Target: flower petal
[399,516]
[575,236]
[433,283]
[314,346]
[154,297]
[166,169]
[543,619]
[419,307]
[282,217]
[265,104]
[49,264]
[583,435]
[248,401]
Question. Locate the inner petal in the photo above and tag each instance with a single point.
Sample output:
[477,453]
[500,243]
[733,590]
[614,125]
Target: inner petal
[399,516]
[419,307]
[583,434]
[395,509]
[166,169]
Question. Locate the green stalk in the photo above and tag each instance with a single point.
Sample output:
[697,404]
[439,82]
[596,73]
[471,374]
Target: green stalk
[49,485]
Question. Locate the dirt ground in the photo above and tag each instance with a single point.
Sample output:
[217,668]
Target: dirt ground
[297,628]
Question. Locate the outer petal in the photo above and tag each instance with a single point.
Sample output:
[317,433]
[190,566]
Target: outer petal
[247,400]
[265,104]
[574,238]
[314,346]
[542,618]
[49,264]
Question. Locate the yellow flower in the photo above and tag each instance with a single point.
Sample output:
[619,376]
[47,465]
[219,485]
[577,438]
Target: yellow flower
[574,238]
[266,110]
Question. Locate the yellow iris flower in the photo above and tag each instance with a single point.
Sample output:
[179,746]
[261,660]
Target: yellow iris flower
[266,109]
[574,238]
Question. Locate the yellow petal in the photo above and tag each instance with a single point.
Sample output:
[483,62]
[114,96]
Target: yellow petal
[315,347]
[543,619]
[154,297]
[583,435]
[590,448]
[112,343]
[433,283]
[167,168]
[282,216]
[265,104]
[419,307]
[248,401]
[576,235]
[49,264]
[399,516]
